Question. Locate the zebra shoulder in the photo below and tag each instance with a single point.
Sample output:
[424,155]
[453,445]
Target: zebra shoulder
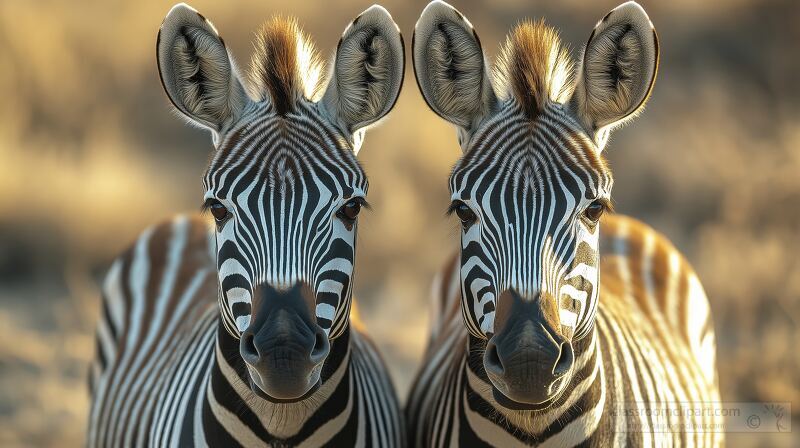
[639,263]
[168,263]
[160,257]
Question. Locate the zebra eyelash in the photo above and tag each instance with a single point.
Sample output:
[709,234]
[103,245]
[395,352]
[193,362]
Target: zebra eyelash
[206,206]
[451,209]
[363,202]
[608,206]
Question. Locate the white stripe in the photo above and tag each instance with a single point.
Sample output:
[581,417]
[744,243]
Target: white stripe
[325,311]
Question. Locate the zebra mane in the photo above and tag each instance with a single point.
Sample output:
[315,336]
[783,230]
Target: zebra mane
[285,66]
[534,67]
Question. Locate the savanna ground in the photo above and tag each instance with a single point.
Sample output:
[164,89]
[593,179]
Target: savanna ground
[91,155]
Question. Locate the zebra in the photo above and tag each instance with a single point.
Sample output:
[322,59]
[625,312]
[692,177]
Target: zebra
[544,352]
[236,332]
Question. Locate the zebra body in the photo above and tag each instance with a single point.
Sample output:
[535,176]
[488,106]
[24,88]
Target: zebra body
[238,332]
[573,330]
[652,347]
[166,372]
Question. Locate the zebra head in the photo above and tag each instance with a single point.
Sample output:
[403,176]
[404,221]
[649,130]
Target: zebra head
[283,183]
[532,184]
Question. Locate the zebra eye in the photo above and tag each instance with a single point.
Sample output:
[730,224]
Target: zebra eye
[594,211]
[464,213]
[218,211]
[350,210]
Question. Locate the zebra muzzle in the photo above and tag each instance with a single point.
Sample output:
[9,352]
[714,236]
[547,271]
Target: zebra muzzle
[527,361]
[283,347]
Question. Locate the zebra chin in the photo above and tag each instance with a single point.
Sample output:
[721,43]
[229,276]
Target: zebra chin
[284,348]
[520,400]
[271,393]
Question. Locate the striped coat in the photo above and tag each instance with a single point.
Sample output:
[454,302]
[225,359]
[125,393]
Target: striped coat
[167,374]
[239,333]
[554,325]
[648,295]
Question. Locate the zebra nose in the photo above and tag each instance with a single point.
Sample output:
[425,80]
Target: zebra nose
[284,339]
[525,375]
[321,346]
[491,359]
[527,361]
[284,348]
[248,347]
[253,354]
[493,364]
[566,358]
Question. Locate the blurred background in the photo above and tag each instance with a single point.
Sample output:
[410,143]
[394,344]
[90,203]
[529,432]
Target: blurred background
[90,155]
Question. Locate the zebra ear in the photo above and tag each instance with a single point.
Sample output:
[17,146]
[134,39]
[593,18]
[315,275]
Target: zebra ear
[198,74]
[618,70]
[367,73]
[451,68]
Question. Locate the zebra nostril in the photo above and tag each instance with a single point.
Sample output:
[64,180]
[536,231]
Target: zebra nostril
[565,359]
[248,347]
[321,347]
[491,359]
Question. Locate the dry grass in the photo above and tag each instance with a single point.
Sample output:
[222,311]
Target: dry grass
[91,155]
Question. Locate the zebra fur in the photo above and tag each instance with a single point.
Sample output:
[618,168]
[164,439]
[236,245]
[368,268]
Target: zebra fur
[611,293]
[180,304]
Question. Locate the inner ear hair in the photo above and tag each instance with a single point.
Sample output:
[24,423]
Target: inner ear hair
[455,72]
[618,68]
[367,73]
[202,74]
[196,71]
[450,66]
[362,75]
[615,64]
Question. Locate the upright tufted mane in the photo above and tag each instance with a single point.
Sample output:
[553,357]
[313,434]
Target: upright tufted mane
[285,66]
[534,67]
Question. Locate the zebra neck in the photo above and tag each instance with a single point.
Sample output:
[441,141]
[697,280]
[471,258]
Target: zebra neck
[585,392]
[231,402]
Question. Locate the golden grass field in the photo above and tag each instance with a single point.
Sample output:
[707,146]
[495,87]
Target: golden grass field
[91,154]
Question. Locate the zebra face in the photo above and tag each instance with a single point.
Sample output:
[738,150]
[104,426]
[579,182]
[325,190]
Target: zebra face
[285,193]
[532,184]
[284,186]
[286,231]
[529,210]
